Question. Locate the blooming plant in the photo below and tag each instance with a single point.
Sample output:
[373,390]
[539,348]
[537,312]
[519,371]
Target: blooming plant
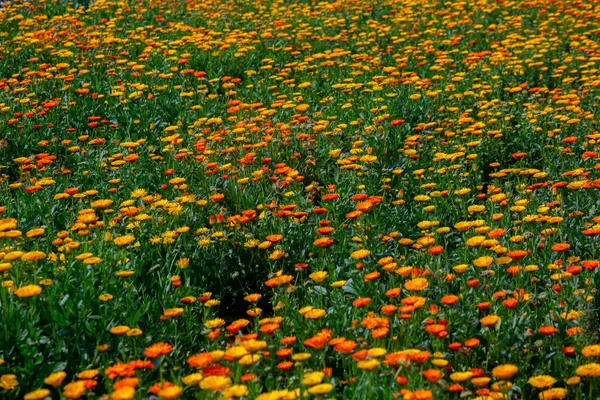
[287,199]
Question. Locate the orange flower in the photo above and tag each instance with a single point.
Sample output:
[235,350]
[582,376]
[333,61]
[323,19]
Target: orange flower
[361,302]
[119,369]
[416,285]
[496,233]
[432,375]
[330,196]
[274,238]
[285,365]
[158,349]
[380,332]
[346,347]
[547,330]
[318,341]
[561,247]
[200,360]
[517,254]
[131,382]
[217,197]
[279,280]
[510,303]
[323,242]
[435,250]
[372,276]
[449,299]
[489,320]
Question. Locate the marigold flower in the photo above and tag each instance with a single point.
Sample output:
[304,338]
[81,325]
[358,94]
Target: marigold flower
[505,371]
[416,285]
[554,393]
[591,369]
[541,381]
[489,320]
[28,291]
[157,349]
[38,394]
[8,381]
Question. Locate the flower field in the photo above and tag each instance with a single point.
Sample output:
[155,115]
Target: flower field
[277,200]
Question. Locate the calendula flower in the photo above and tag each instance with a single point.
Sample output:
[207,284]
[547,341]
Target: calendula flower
[416,285]
[541,381]
[8,382]
[505,371]
[551,394]
[28,291]
[591,369]
[39,394]
[157,349]
[360,254]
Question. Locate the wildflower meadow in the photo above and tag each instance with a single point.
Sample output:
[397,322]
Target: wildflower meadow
[269,199]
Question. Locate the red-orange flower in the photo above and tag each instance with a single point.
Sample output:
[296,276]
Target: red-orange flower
[435,250]
[547,330]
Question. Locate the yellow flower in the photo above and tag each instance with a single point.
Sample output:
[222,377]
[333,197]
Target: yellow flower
[322,388]
[276,255]
[214,323]
[367,364]
[192,379]
[591,351]
[124,393]
[28,291]
[236,391]
[483,262]
[123,240]
[318,276]
[215,383]
[592,369]
[39,394]
[301,356]
[74,390]
[35,232]
[173,312]
[461,376]
[105,297]
[313,378]
[249,359]
[541,381]
[236,352]
[360,254]
[254,345]
[315,313]
[505,371]
[8,382]
[551,394]
[119,330]
[55,378]
[88,374]
[416,285]
[170,393]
